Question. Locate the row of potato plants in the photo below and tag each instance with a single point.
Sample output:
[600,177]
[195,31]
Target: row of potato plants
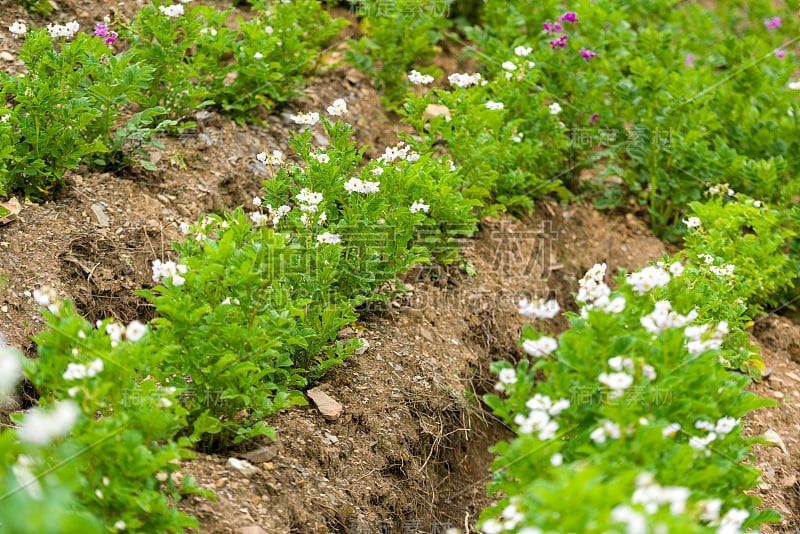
[102,97]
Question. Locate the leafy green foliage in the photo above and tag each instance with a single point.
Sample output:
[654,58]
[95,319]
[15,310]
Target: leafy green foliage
[397,36]
[648,417]
[199,61]
[111,462]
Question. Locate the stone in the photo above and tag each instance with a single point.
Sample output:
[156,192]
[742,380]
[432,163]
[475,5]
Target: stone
[261,455]
[242,466]
[329,407]
[100,214]
[776,439]
[363,348]
[435,110]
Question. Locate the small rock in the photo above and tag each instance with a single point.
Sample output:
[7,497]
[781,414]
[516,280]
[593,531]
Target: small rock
[221,482]
[776,438]
[793,376]
[7,56]
[329,439]
[259,456]
[788,481]
[230,78]
[424,332]
[100,214]
[242,466]
[435,110]
[363,348]
[164,200]
[778,394]
[345,333]
[327,405]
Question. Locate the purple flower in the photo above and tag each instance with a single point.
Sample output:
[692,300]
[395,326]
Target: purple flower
[689,60]
[561,42]
[554,27]
[594,118]
[587,54]
[780,53]
[772,23]
[101,30]
[569,16]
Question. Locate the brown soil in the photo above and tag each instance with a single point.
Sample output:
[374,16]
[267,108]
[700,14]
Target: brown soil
[410,452]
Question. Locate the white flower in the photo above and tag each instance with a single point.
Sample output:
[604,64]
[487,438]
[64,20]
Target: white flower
[635,521]
[616,381]
[75,371]
[209,31]
[169,270]
[377,171]
[10,370]
[540,347]
[607,429]
[67,30]
[539,309]
[649,372]
[163,402]
[115,332]
[329,238]
[555,108]
[322,158]
[618,362]
[509,65]
[94,368]
[338,108]
[676,269]
[523,51]
[308,119]
[256,201]
[268,30]
[306,196]
[795,85]
[670,430]
[725,425]
[25,478]
[648,278]
[419,79]
[275,159]
[559,406]
[45,296]
[732,521]
[692,222]
[18,29]
[119,525]
[508,376]
[517,137]
[701,443]
[258,55]
[492,526]
[418,206]
[757,203]
[356,185]
[40,427]
[135,331]
[464,80]
[556,460]
[494,105]
[172,11]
